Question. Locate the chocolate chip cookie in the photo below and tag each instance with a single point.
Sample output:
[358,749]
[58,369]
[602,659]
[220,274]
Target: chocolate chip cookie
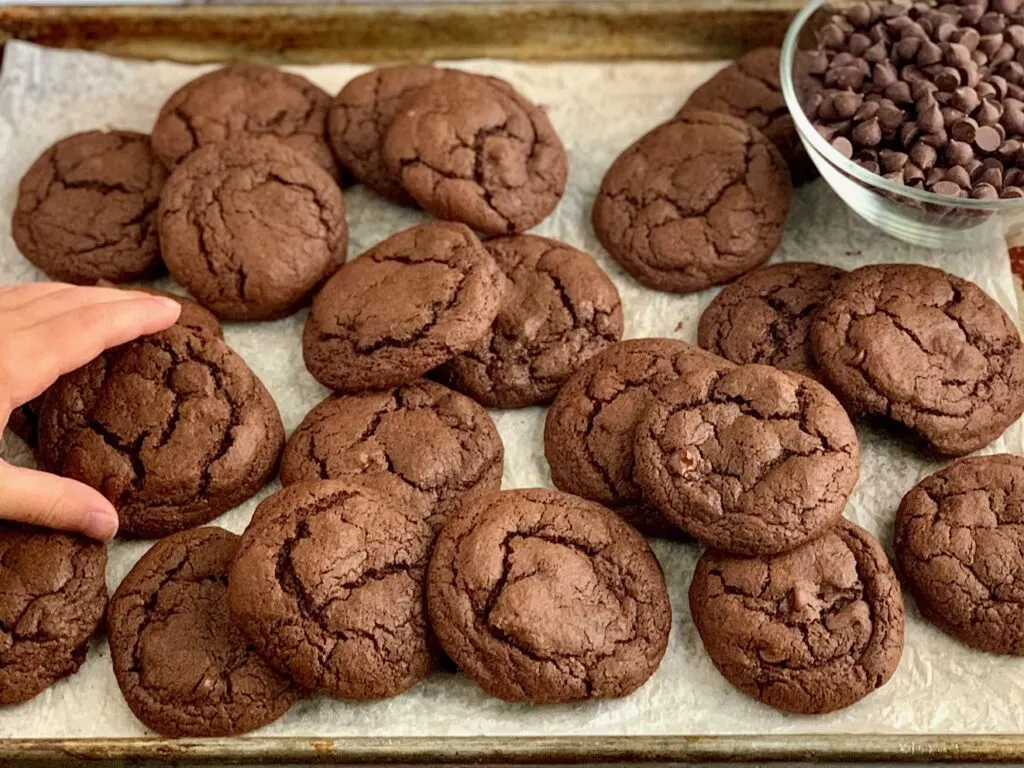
[407,305]
[765,316]
[811,631]
[441,447]
[173,428]
[544,597]
[241,101]
[87,208]
[183,667]
[925,349]
[53,593]
[696,202]
[252,228]
[329,587]
[958,538]
[472,152]
[749,460]
[560,309]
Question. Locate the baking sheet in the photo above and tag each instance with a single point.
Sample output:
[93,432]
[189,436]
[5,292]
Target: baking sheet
[598,109]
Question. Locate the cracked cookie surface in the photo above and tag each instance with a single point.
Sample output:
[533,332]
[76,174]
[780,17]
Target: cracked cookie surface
[750,460]
[927,350]
[765,316]
[182,666]
[559,310]
[173,428]
[241,101]
[53,593]
[439,447]
[544,597]
[412,302]
[698,201]
[252,228]
[86,209]
[811,631]
[329,585]
[958,541]
[470,151]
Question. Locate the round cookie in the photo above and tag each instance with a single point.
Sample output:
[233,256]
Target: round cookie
[696,202]
[53,593]
[811,631]
[329,586]
[765,316]
[412,302]
[749,460]
[440,447]
[86,208]
[928,350]
[469,151]
[559,310]
[252,228]
[182,666]
[173,428]
[958,537]
[241,101]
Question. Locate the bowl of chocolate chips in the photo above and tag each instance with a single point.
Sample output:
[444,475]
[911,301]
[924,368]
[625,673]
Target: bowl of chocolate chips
[913,111]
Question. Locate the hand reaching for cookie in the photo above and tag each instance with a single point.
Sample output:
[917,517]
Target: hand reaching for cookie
[47,330]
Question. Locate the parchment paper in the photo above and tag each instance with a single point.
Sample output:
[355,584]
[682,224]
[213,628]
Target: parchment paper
[598,109]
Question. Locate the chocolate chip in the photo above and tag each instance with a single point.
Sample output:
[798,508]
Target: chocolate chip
[985,90]
[1013,120]
[1009,148]
[842,145]
[959,152]
[831,35]
[923,155]
[948,79]
[984,192]
[930,119]
[912,173]
[868,165]
[964,129]
[965,99]
[947,188]
[928,53]
[937,140]
[907,48]
[1011,193]
[933,177]
[867,110]
[868,133]
[892,161]
[967,37]
[860,14]
[884,74]
[988,113]
[959,176]
[957,55]
[991,23]
[1003,54]
[858,43]
[992,176]
[1013,177]
[989,44]
[987,139]
[951,116]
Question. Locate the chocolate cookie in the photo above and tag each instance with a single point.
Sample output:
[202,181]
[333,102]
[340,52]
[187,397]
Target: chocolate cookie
[696,202]
[589,430]
[86,208]
[749,460]
[241,101]
[811,631]
[52,596]
[469,151]
[173,428]
[544,597]
[183,667]
[958,541]
[414,301]
[252,228]
[24,420]
[765,316]
[559,310]
[329,587]
[927,350]
[441,447]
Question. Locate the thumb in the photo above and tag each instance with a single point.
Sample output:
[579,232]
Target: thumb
[39,498]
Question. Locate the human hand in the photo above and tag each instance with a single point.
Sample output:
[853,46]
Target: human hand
[47,330]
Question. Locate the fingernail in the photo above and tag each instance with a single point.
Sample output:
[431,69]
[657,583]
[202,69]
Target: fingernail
[169,303]
[101,524]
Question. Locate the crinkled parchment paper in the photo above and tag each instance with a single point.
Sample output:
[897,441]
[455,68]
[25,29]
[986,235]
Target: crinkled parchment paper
[598,110]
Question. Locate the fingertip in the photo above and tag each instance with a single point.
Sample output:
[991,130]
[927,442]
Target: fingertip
[167,303]
[101,523]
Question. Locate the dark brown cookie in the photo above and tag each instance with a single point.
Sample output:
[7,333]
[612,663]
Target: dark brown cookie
[441,447]
[544,597]
[925,349]
[749,460]
[241,101]
[24,420]
[765,316]
[53,593]
[469,151]
[173,428]
[959,541]
[696,202]
[252,228]
[414,301]
[87,208]
[588,434]
[329,587]
[810,631]
[183,667]
[559,310]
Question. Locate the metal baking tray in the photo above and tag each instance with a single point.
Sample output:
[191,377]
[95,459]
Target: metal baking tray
[418,31]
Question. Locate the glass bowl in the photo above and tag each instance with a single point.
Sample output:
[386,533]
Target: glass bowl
[915,216]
